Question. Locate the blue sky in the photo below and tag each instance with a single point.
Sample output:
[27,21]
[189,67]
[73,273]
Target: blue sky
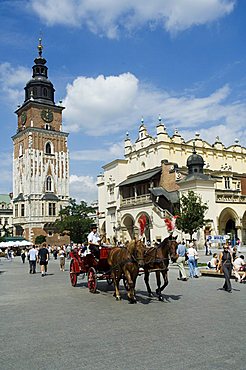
[114,62]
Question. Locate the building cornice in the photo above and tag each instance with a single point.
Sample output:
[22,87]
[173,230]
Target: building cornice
[40,130]
[33,103]
[114,163]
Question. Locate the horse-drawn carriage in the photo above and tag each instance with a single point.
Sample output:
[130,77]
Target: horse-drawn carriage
[90,266]
[124,262]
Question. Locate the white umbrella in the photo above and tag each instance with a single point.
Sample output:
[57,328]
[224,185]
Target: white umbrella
[24,243]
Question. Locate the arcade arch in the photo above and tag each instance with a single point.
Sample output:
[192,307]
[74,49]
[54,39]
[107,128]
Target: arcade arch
[128,227]
[146,233]
[229,223]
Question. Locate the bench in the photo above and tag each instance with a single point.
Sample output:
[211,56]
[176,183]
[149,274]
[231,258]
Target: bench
[211,272]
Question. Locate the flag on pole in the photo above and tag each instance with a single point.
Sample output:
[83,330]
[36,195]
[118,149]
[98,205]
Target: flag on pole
[142,223]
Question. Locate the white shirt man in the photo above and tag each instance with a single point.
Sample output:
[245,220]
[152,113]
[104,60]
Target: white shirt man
[93,237]
[33,254]
[93,242]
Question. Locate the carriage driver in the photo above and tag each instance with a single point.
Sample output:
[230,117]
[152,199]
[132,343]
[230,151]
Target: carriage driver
[94,241]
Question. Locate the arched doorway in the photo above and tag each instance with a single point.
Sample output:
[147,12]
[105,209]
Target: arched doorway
[228,223]
[128,227]
[146,234]
[230,228]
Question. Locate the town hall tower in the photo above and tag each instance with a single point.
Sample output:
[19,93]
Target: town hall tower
[40,159]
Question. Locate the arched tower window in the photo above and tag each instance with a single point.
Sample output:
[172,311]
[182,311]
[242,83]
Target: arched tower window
[35,91]
[45,91]
[48,184]
[48,148]
[20,150]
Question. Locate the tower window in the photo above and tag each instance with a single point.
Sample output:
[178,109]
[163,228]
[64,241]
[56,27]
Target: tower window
[48,149]
[48,184]
[16,210]
[52,209]
[45,91]
[22,210]
[20,150]
[227,182]
[35,91]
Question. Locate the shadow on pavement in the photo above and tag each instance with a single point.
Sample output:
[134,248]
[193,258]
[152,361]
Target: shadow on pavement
[145,299]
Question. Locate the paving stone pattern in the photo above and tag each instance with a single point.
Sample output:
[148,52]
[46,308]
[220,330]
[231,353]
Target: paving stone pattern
[48,324]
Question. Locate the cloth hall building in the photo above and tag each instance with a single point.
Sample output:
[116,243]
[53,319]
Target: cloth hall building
[156,171]
[40,159]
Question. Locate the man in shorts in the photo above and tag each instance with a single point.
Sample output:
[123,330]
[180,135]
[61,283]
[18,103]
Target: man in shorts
[43,256]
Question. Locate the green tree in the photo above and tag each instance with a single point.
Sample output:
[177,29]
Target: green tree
[74,219]
[40,239]
[192,213]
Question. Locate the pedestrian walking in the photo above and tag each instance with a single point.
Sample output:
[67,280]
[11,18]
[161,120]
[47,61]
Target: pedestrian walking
[23,255]
[225,261]
[181,251]
[32,257]
[196,264]
[43,256]
[208,251]
[191,252]
[62,255]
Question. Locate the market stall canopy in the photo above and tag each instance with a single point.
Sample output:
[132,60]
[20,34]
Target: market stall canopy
[20,243]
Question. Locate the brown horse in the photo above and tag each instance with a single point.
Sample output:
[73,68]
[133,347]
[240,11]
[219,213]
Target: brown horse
[156,259]
[125,262]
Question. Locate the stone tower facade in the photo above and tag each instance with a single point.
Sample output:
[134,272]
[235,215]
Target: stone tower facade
[40,160]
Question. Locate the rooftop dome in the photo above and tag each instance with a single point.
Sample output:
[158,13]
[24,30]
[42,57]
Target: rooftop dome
[195,159]
[195,162]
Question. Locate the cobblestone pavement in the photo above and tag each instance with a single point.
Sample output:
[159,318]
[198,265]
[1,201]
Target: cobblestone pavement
[48,324]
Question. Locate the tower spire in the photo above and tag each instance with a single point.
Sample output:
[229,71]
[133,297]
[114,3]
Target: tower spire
[40,47]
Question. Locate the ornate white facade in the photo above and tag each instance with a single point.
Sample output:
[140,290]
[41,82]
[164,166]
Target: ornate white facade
[149,179]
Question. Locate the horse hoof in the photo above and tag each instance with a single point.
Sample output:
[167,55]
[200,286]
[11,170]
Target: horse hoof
[118,298]
[151,295]
[160,299]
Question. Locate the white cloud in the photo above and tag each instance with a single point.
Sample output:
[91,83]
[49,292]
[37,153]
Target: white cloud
[99,105]
[12,80]
[112,152]
[83,188]
[109,17]
[107,105]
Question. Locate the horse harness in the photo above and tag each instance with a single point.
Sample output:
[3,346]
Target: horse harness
[157,260]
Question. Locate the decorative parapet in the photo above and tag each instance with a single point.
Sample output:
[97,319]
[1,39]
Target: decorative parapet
[141,199]
[230,197]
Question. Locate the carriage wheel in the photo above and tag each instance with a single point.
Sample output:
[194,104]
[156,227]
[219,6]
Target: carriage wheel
[125,282]
[109,281]
[92,280]
[73,274]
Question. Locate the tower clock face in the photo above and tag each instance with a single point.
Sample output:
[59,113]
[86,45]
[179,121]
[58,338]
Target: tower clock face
[47,115]
[23,118]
